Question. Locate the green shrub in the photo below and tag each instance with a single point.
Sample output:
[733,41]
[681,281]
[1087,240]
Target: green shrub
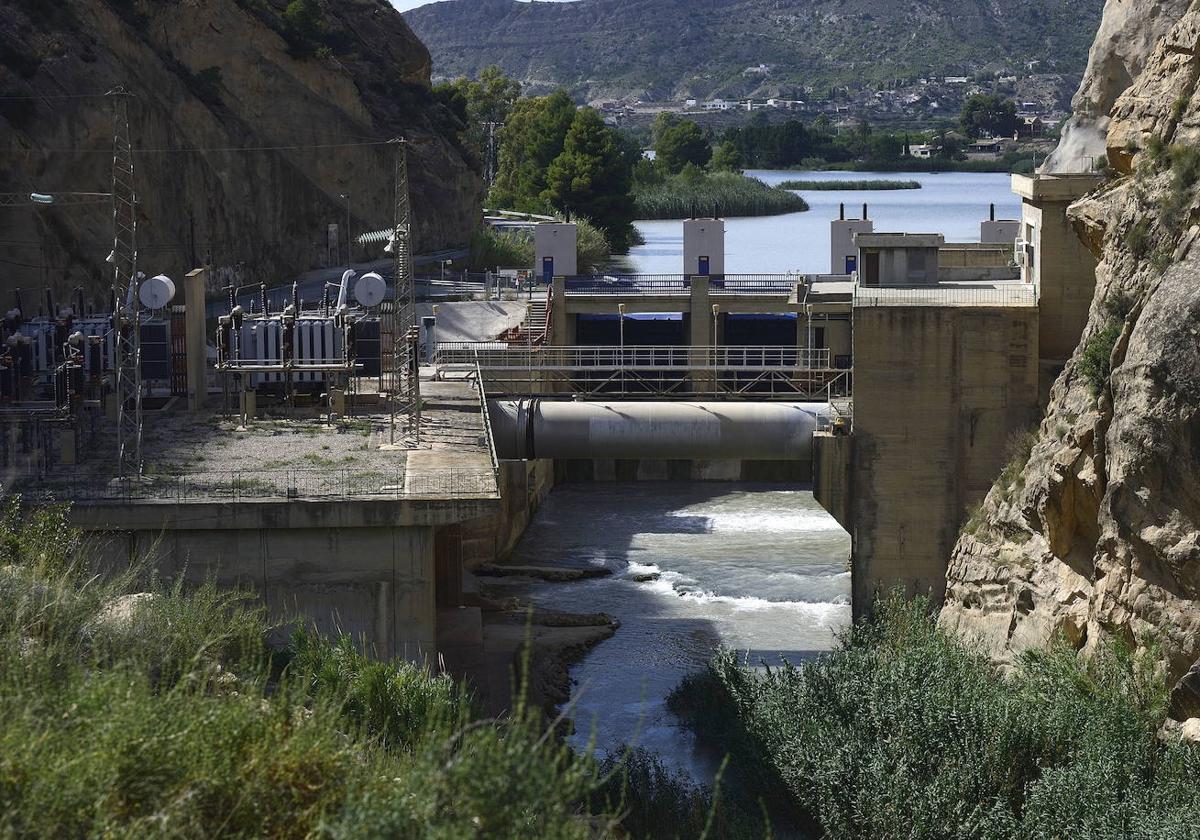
[904,732]
[657,803]
[1137,238]
[491,249]
[1095,363]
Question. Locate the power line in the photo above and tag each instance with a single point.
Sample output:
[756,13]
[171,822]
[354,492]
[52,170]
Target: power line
[205,150]
[55,96]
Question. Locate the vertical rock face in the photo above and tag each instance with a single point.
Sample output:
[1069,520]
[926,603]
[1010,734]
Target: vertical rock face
[285,124]
[1099,535]
[1128,34]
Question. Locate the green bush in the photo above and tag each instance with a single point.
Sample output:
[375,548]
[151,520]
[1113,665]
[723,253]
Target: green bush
[1095,363]
[491,249]
[904,732]
[693,193]
[655,802]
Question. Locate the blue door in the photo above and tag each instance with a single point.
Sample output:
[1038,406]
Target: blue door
[704,266]
[548,270]
[851,264]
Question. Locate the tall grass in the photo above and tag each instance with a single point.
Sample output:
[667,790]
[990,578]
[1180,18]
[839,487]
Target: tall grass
[904,732]
[491,249]
[167,715]
[715,194]
[831,186]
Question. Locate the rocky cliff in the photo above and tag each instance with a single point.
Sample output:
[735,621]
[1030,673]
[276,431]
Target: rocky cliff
[1129,32]
[251,122]
[1098,535]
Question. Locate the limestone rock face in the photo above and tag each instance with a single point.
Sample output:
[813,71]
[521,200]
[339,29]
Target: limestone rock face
[1099,535]
[224,76]
[1129,32]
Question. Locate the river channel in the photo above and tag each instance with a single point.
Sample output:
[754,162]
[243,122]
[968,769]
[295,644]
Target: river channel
[759,569]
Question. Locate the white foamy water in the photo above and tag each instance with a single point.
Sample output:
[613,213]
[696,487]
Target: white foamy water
[758,569]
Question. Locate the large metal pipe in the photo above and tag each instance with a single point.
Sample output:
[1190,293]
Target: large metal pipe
[755,431]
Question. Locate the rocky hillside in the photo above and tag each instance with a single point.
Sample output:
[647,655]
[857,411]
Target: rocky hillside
[1128,35]
[662,49]
[303,100]
[1099,534]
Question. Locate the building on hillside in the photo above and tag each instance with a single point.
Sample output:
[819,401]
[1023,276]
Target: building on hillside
[921,151]
[1030,126]
[718,105]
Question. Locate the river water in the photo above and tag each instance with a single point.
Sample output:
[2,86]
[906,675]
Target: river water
[760,569]
[950,203]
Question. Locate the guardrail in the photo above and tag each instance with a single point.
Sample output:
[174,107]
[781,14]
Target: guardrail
[487,421]
[629,284]
[680,284]
[1016,294]
[754,284]
[265,485]
[489,356]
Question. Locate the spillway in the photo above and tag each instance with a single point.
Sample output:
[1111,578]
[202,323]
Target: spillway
[526,429]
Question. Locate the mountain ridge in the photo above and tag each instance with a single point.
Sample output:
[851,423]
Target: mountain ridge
[621,48]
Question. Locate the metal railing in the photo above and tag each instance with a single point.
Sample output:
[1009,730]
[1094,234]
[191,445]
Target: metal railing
[265,485]
[487,421]
[1016,294]
[754,284]
[680,284]
[629,284]
[490,356]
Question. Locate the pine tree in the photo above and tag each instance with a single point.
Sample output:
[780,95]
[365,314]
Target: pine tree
[591,178]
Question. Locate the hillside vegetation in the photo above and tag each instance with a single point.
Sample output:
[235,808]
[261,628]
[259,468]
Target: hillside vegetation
[622,47]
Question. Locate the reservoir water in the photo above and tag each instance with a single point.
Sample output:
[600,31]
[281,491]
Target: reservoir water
[760,569]
[950,203]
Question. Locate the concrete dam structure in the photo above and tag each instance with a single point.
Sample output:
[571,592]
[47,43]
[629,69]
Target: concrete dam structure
[529,429]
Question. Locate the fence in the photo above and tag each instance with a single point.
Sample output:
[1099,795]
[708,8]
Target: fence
[251,485]
[1016,294]
[492,356]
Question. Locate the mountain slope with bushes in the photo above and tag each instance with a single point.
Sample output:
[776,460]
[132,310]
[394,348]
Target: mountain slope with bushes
[620,48]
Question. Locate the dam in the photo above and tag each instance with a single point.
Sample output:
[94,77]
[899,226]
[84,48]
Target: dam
[352,462]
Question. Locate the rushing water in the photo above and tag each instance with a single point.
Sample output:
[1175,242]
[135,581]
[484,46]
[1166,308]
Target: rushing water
[951,203]
[760,569]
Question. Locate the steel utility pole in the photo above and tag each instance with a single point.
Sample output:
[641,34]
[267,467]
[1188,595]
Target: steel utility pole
[126,322]
[404,380]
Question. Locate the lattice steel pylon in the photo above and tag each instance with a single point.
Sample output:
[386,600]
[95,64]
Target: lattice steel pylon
[403,380]
[124,289]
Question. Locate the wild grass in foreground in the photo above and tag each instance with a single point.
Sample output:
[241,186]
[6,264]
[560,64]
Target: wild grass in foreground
[832,186]
[905,733]
[131,708]
[727,194]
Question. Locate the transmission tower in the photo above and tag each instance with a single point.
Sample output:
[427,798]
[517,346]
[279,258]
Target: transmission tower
[126,321]
[404,379]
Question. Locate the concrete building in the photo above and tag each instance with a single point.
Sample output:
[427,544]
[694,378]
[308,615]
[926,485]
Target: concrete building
[555,250]
[946,373]
[1056,263]
[898,259]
